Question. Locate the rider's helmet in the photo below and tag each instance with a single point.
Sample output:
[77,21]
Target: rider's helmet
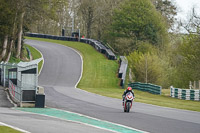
[129,88]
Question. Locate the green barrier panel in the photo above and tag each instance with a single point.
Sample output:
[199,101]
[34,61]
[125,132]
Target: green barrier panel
[192,94]
[146,87]
[158,89]
[176,93]
[137,86]
[183,94]
[154,89]
[150,88]
[183,97]
[142,87]
[192,98]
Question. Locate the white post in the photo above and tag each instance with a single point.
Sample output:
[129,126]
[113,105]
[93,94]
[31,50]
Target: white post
[195,85]
[190,86]
[199,84]
[171,90]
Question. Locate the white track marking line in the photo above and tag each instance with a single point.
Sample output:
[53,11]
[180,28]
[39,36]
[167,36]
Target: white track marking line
[13,127]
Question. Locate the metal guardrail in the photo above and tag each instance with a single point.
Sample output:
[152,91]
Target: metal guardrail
[151,88]
[185,94]
[29,53]
[100,47]
[96,44]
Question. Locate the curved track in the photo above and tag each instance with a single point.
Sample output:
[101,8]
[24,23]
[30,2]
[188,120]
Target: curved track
[61,72]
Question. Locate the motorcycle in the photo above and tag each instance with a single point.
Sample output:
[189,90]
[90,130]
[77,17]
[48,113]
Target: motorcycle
[127,104]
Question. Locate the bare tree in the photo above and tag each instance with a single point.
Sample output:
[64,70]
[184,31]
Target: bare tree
[193,24]
[5,43]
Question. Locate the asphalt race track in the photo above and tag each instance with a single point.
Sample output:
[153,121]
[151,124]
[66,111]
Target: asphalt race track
[60,74]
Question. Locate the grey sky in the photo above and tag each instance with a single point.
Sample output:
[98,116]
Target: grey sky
[185,6]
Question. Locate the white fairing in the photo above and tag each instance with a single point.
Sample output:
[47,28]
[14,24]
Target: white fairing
[129,96]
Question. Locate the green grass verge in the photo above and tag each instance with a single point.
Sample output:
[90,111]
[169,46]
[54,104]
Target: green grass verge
[4,129]
[14,60]
[100,77]
[36,55]
[24,57]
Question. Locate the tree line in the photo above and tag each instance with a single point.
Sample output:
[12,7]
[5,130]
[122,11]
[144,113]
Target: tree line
[18,16]
[142,30]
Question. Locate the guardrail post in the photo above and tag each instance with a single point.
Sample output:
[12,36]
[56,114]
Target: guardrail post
[4,75]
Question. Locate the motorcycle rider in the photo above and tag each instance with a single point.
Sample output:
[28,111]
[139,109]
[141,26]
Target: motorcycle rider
[129,89]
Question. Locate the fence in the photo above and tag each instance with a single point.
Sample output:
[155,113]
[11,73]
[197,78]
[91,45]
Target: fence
[8,71]
[15,92]
[122,70]
[151,88]
[21,79]
[185,94]
[194,84]
[96,44]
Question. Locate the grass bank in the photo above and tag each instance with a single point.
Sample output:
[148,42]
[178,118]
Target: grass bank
[35,55]
[100,77]
[4,129]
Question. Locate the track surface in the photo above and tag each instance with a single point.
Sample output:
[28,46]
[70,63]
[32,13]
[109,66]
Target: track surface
[41,124]
[61,72]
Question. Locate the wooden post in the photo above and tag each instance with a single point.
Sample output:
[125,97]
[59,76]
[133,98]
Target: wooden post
[195,85]
[199,84]
[190,86]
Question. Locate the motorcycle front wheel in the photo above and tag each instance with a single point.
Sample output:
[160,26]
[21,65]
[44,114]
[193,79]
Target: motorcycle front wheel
[128,106]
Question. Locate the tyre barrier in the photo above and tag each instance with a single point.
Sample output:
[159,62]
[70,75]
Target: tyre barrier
[122,70]
[96,44]
[100,47]
[151,88]
[185,94]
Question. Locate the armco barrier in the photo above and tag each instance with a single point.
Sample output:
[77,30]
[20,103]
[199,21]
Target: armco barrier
[151,88]
[185,94]
[96,44]
[122,69]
